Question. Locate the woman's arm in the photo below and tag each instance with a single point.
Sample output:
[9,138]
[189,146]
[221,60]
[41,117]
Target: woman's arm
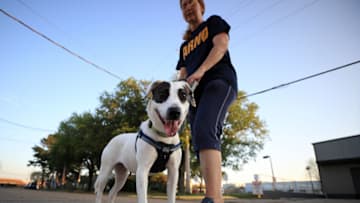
[220,47]
[182,74]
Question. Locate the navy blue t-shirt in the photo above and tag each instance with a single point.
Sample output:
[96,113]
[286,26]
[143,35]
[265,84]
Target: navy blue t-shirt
[194,51]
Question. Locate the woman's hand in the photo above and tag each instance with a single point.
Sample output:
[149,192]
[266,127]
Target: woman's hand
[196,76]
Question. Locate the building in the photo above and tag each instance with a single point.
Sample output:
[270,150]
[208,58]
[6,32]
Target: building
[310,187]
[339,166]
[11,182]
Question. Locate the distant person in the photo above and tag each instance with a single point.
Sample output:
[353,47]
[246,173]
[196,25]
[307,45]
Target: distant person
[204,59]
[257,187]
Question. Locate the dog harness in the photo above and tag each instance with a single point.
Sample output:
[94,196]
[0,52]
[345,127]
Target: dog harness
[163,150]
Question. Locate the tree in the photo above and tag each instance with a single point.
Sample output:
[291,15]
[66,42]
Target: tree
[62,153]
[124,110]
[244,133]
[313,170]
[36,175]
[42,156]
[79,140]
[89,142]
[79,143]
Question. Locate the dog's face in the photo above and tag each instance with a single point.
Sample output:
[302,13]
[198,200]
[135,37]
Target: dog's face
[169,105]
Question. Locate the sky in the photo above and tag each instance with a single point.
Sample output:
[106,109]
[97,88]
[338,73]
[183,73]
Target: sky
[271,42]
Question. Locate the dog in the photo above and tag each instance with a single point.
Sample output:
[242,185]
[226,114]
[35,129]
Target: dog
[154,148]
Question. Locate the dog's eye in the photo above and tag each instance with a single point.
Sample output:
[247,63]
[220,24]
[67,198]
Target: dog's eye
[182,95]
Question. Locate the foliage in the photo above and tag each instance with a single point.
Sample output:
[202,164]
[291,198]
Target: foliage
[244,133]
[124,110]
[312,170]
[79,140]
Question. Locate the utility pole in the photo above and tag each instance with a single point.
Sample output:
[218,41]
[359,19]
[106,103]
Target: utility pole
[272,172]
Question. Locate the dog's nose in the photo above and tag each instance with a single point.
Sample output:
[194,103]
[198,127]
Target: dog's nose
[173,113]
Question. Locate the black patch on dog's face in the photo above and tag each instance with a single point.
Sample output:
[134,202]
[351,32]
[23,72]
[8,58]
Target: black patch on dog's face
[161,92]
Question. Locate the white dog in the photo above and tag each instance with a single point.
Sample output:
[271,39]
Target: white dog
[154,148]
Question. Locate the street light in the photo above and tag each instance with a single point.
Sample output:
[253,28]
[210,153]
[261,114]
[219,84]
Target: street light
[312,185]
[272,172]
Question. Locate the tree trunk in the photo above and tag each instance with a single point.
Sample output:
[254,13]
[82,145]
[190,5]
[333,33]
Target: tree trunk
[42,178]
[181,186]
[91,168]
[63,178]
[78,179]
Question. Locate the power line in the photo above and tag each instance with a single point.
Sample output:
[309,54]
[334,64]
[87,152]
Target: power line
[278,20]
[245,96]
[36,13]
[242,5]
[42,17]
[24,126]
[116,76]
[301,79]
[61,46]
[257,14]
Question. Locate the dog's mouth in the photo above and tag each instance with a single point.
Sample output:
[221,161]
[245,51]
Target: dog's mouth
[171,127]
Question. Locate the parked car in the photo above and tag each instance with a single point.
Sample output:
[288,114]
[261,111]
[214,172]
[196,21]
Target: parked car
[32,186]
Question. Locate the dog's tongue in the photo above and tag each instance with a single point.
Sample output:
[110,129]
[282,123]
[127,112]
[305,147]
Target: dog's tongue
[171,127]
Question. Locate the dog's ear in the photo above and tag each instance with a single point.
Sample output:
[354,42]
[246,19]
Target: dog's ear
[151,87]
[190,94]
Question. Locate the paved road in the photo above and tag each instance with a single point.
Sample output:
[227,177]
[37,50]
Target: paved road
[19,195]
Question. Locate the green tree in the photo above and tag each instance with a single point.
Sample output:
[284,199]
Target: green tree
[63,152]
[244,133]
[42,156]
[89,142]
[78,145]
[124,110]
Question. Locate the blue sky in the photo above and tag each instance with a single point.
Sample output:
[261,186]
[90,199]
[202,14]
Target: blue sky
[271,42]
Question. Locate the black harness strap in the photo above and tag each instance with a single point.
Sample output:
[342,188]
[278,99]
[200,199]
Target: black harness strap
[163,150]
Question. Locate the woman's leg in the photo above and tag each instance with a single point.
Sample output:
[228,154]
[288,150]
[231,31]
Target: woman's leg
[210,165]
[206,128]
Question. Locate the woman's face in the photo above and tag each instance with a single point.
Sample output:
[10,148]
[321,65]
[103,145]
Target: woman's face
[192,11]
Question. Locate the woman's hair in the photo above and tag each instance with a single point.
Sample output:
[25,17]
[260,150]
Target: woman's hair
[187,33]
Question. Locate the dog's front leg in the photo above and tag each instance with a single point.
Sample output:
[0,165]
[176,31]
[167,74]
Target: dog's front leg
[142,184]
[173,175]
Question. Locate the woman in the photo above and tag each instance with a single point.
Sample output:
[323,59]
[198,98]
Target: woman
[204,59]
